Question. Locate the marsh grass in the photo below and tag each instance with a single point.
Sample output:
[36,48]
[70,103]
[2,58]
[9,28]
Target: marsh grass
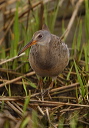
[22,32]
[50,18]
[82,88]
[86,46]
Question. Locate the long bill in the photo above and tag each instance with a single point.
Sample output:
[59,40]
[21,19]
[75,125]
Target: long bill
[32,42]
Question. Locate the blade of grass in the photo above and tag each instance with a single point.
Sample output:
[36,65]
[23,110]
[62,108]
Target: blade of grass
[87,18]
[25,122]
[50,17]
[74,120]
[86,56]
[79,35]
[34,118]
[68,76]
[82,88]
[24,86]
[61,123]
[26,103]
[79,41]
[86,48]
[15,40]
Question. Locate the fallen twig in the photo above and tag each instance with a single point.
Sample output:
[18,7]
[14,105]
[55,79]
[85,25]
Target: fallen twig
[65,87]
[11,59]
[52,103]
[16,79]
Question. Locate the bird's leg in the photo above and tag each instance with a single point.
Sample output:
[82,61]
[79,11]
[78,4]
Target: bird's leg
[52,83]
[48,89]
[50,86]
[40,84]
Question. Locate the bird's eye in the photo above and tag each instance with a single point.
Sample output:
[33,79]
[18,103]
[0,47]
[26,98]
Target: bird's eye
[40,36]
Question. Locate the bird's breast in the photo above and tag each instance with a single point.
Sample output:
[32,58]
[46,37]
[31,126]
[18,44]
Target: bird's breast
[46,61]
[42,57]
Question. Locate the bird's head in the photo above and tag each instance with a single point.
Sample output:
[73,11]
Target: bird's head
[41,37]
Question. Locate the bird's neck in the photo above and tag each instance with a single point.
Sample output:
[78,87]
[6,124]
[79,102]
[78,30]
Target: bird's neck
[44,47]
[43,50]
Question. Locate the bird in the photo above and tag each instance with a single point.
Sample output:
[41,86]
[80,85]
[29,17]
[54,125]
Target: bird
[49,55]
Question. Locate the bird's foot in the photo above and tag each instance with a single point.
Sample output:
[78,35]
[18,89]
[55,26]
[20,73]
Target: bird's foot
[48,90]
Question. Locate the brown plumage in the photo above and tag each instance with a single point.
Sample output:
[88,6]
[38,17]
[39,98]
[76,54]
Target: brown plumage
[48,55]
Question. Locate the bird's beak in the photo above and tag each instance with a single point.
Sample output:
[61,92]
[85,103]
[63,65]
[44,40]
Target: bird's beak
[32,42]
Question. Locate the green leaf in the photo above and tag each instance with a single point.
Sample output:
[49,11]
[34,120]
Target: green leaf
[82,88]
